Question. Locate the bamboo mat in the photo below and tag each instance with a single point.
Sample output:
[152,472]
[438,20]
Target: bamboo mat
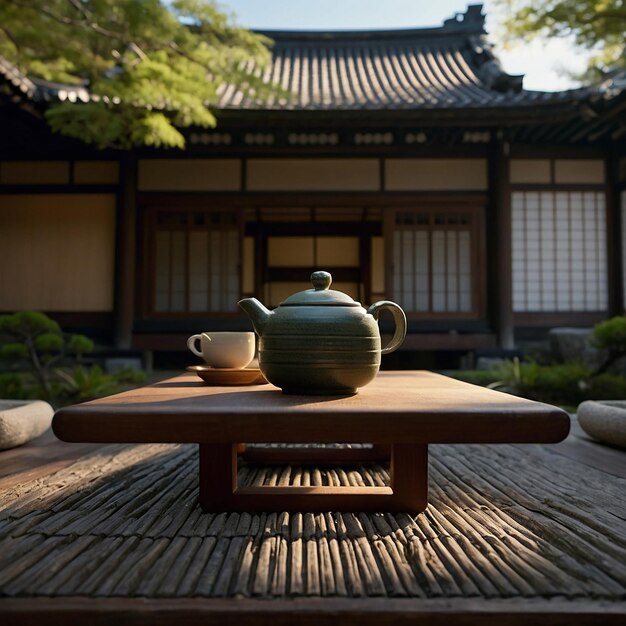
[503,522]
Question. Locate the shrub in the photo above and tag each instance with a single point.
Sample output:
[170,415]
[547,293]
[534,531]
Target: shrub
[477,377]
[564,383]
[610,335]
[45,363]
[607,387]
[34,343]
[17,386]
[79,383]
[567,384]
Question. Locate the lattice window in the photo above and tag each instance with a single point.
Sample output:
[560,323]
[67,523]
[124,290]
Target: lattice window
[559,251]
[433,262]
[196,261]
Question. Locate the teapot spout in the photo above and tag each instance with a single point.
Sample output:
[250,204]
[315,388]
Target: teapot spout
[257,313]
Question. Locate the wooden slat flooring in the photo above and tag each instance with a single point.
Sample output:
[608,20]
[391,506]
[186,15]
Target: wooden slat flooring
[504,523]
[585,450]
[40,457]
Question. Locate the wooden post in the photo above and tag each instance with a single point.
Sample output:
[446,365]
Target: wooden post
[615,266]
[125,233]
[499,265]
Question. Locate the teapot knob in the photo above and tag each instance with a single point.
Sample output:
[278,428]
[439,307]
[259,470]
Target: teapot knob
[321,280]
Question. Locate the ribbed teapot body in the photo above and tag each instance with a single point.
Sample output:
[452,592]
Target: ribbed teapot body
[320,350]
[320,341]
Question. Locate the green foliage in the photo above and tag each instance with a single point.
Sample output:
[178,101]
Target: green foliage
[43,363]
[49,342]
[597,26]
[17,386]
[567,384]
[13,351]
[79,384]
[154,66]
[607,387]
[79,344]
[563,383]
[477,377]
[611,334]
[130,377]
[26,324]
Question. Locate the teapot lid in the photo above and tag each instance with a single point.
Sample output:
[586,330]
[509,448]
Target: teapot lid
[320,295]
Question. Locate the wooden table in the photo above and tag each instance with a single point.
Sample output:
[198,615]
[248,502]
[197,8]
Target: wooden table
[401,412]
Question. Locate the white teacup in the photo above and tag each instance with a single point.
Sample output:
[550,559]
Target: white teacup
[224,349]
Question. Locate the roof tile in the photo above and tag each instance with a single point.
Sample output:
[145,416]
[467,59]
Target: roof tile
[449,67]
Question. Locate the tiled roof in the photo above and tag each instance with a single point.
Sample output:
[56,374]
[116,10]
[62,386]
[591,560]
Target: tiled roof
[451,66]
[16,81]
[41,90]
[448,67]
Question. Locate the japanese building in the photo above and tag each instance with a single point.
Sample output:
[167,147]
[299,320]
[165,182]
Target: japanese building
[407,163]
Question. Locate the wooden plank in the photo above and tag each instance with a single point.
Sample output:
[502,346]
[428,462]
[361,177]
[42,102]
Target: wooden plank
[310,612]
[316,456]
[40,457]
[313,491]
[582,448]
[418,407]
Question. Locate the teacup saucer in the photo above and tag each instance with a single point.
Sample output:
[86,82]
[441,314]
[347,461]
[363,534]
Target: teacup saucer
[228,376]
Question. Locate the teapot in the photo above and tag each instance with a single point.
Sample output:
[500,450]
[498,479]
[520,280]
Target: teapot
[320,341]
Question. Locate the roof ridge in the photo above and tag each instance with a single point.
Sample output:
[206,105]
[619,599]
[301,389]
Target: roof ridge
[472,22]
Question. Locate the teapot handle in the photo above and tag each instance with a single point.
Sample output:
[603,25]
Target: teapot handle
[398,317]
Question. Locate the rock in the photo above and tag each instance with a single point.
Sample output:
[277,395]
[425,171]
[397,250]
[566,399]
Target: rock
[604,420]
[114,365]
[23,420]
[574,344]
[488,363]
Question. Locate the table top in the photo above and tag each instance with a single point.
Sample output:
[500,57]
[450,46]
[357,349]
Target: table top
[397,407]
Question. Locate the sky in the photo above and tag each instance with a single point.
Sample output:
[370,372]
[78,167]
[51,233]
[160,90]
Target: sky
[544,64]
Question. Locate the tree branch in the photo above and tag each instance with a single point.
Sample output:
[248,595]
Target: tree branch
[172,45]
[81,9]
[68,21]
[603,15]
[10,36]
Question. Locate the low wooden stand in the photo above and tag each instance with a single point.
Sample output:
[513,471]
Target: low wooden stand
[402,412]
[407,492]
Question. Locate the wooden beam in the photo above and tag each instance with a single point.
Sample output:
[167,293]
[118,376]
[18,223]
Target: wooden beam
[615,268]
[314,456]
[311,611]
[499,266]
[548,319]
[125,234]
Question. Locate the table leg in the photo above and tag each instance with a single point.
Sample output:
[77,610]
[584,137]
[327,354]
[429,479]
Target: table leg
[409,477]
[218,476]
[408,491]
